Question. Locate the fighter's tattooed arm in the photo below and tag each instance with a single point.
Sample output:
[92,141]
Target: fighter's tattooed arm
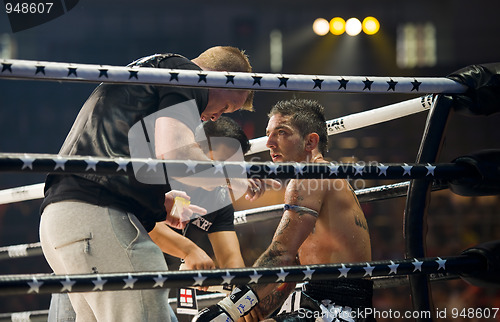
[292,231]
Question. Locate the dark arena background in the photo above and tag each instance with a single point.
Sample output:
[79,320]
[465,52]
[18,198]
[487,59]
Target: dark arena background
[425,38]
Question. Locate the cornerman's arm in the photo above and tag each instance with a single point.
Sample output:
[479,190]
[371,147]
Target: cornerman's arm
[175,244]
[226,249]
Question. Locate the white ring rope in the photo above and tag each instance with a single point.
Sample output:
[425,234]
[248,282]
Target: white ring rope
[334,126]
[26,69]
[363,119]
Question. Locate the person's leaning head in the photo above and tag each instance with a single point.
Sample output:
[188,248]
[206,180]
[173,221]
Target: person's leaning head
[307,116]
[225,137]
[229,59]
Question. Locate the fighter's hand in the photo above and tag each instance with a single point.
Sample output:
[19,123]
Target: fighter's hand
[253,316]
[257,187]
[197,259]
[179,209]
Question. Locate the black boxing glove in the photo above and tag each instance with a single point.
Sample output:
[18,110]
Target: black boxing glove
[483,94]
[241,300]
[212,313]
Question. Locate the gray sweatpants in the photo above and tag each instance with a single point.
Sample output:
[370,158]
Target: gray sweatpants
[80,238]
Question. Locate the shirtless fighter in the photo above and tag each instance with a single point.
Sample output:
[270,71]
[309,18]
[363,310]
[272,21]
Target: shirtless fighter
[322,223]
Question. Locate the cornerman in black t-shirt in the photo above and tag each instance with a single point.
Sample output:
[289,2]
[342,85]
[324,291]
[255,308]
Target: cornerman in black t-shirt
[226,139]
[100,224]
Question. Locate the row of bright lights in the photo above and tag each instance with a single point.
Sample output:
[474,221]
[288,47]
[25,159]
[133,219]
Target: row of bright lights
[352,26]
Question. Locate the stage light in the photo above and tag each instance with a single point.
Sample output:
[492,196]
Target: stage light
[321,27]
[337,26]
[353,27]
[370,25]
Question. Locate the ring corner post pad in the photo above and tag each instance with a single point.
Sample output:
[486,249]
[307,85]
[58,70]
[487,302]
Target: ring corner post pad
[490,253]
[418,199]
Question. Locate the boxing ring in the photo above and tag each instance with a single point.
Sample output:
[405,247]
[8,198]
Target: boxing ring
[477,265]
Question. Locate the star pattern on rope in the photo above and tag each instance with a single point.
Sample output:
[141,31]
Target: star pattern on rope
[256,80]
[407,169]
[273,168]
[254,278]
[60,162]
[27,162]
[40,69]
[317,83]
[218,167]
[368,84]
[226,279]
[129,282]
[159,281]
[359,169]
[343,83]
[88,72]
[191,166]
[133,74]
[246,167]
[152,164]
[417,264]
[7,66]
[50,283]
[202,78]
[67,284]
[416,85]
[308,273]
[392,85]
[368,270]
[230,79]
[198,280]
[333,169]
[281,275]
[393,267]
[430,169]
[299,168]
[441,262]
[382,169]
[122,164]
[103,72]
[99,284]
[174,76]
[34,286]
[77,164]
[72,71]
[283,81]
[344,270]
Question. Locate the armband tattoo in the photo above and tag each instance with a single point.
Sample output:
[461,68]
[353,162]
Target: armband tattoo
[301,209]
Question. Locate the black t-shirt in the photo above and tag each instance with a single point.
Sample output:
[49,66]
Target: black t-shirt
[198,229]
[101,129]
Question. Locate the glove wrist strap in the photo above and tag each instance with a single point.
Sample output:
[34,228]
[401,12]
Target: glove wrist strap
[240,302]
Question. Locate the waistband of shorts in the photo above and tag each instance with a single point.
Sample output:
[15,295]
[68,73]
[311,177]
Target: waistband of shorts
[356,293]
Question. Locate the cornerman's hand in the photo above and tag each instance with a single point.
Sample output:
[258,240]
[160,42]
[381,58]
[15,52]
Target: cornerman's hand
[179,216]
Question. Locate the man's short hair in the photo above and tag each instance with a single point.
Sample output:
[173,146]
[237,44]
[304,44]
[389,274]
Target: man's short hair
[307,116]
[231,59]
[223,127]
